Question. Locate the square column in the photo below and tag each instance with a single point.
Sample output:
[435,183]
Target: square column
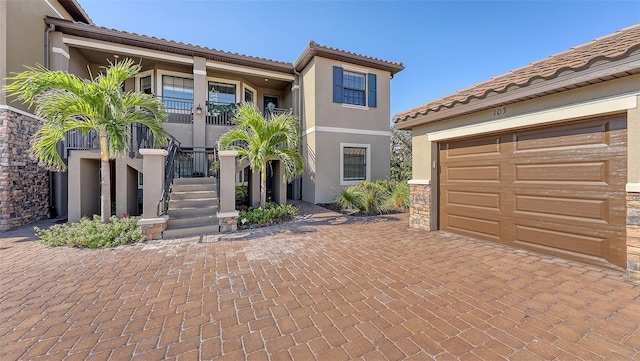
[227,214]
[151,224]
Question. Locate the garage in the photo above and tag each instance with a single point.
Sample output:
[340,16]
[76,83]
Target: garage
[558,189]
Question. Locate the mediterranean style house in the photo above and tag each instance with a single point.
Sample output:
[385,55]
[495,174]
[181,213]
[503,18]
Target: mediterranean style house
[342,100]
[545,157]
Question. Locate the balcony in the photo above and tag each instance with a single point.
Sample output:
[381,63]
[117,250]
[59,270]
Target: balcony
[141,137]
[178,110]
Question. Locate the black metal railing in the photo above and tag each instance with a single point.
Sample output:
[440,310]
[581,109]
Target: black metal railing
[178,110]
[172,149]
[141,137]
[196,163]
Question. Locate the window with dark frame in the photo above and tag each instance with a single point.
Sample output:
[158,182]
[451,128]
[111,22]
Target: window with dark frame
[354,86]
[145,85]
[248,96]
[354,163]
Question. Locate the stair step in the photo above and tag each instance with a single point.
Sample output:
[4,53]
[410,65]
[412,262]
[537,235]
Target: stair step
[186,212]
[192,221]
[193,194]
[193,187]
[192,202]
[201,180]
[190,230]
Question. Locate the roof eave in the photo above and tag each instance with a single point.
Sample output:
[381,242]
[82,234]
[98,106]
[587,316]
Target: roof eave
[161,45]
[624,67]
[76,11]
[314,49]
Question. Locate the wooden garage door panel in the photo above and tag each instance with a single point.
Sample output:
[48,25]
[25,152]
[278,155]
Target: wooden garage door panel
[562,137]
[562,172]
[580,209]
[558,190]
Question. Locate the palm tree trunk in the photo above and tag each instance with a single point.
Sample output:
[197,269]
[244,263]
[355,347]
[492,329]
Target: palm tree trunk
[263,186]
[105,180]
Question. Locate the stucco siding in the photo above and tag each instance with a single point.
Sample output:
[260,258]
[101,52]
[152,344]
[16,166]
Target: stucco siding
[24,21]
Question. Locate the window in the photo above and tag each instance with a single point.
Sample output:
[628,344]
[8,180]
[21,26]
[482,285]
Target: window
[354,162]
[145,85]
[353,85]
[248,96]
[176,88]
[221,93]
[354,88]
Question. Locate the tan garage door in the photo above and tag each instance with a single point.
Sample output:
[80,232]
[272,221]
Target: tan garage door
[558,190]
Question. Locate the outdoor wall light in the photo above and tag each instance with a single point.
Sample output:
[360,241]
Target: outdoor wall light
[199,110]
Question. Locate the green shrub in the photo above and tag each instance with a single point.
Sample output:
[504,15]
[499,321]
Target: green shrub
[380,197]
[92,233]
[271,214]
[242,194]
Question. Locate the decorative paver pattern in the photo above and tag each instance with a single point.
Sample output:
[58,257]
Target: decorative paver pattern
[325,288]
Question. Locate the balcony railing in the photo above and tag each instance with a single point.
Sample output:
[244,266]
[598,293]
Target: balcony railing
[141,137]
[178,110]
[269,113]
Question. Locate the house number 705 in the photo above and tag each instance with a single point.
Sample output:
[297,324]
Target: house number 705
[500,111]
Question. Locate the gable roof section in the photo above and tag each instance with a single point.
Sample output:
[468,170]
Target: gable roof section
[169,46]
[76,11]
[315,49]
[621,47]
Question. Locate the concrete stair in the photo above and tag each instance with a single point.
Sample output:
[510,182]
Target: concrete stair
[193,205]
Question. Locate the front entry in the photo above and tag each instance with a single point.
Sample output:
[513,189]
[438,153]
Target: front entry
[270,103]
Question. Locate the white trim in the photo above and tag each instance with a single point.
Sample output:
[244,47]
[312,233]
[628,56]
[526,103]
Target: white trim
[199,72]
[633,187]
[250,71]
[353,106]
[347,131]
[22,112]
[54,10]
[419,181]
[124,49]
[60,51]
[368,160]
[149,151]
[350,67]
[584,109]
[227,153]
[227,214]
[147,221]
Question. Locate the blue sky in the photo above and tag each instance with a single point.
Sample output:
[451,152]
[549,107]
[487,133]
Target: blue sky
[444,45]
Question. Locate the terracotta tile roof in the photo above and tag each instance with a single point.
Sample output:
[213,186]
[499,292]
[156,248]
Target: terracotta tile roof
[315,49]
[170,46]
[76,11]
[608,48]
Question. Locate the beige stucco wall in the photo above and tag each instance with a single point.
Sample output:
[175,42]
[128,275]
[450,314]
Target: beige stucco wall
[327,124]
[633,145]
[24,28]
[3,48]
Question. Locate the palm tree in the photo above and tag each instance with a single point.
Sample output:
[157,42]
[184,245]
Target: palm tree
[66,102]
[275,139]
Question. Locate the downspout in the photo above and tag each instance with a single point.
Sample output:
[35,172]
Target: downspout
[299,83]
[47,64]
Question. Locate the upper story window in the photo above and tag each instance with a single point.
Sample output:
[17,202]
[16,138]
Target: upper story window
[177,88]
[222,93]
[248,96]
[354,88]
[145,85]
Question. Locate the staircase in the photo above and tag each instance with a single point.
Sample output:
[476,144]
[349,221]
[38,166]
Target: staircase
[192,209]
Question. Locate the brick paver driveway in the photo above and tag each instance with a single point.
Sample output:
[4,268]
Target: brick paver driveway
[328,288]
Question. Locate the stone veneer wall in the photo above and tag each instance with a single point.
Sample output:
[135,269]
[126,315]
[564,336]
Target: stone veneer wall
[228,224]
[24,186]
[420,206]
[633,237]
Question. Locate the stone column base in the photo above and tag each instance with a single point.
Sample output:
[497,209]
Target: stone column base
[228,221]
[633,237]
[152,228]
[420,205]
